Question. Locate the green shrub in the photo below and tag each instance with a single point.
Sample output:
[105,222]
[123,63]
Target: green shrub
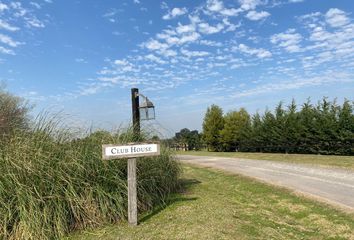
[51,185]
[13,114]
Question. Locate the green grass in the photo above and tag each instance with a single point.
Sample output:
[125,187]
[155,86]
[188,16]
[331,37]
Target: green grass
[324,160]
[216,205]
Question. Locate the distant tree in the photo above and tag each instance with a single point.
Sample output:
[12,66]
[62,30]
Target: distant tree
[195,142]
[13,113]
[322,128]
[212,125]
[155,138]
[236,125]
[189,139]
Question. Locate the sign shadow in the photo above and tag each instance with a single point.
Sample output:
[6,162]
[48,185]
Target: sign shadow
[180,196]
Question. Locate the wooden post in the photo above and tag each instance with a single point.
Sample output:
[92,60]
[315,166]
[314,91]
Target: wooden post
[132,193]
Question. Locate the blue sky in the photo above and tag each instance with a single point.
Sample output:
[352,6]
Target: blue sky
[82,57]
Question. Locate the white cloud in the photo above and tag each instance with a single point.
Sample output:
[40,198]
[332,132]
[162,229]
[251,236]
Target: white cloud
[155,45]
[121,62]
[194,53]
[249,4]
[167,53]
[255,16]
[259,52]
[36,5]
[163,5]
[121,66]
[207,29]
[288,40]
[296,1]
[80,60]
[189,38]
[7,26]
[175,12]
[6,51]
[185,28]
[3,7]
[136,1]
[215,5]
[210,43]
[218,7]
[230,27]
[153,58]
[325,78]
[8,40]
[329,44]
[34,22]
[336,17]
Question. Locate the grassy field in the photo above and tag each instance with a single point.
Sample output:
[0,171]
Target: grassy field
[216,205]
[324,160]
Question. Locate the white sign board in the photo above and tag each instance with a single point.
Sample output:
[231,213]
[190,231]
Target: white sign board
[130,150]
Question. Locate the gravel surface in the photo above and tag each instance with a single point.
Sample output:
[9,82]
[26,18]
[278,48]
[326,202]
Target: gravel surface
[334,186]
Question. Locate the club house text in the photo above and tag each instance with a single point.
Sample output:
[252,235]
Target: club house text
[133,149]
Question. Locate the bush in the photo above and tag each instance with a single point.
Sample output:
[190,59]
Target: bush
[13,113]
[51,185]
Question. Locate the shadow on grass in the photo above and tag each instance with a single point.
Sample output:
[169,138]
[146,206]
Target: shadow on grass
[184,186]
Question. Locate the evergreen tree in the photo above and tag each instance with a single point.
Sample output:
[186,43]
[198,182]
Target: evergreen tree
[268,133]
[292,129]
[212,125]
[307,121]
[280,126]
[346,127]
[255,141]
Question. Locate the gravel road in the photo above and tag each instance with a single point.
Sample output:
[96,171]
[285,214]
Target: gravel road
[332,185]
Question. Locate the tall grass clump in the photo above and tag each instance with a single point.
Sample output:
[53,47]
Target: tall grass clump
[52,183]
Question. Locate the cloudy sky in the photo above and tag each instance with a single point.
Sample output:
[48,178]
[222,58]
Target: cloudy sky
[82,57]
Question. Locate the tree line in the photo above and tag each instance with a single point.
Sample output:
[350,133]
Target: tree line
[322,128]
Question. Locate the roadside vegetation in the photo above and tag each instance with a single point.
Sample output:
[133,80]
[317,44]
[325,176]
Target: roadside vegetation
[216,205]
[346,162]
[325,128]
[52,182]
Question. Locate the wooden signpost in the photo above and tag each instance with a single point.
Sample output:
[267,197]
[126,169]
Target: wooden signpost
[134,150]
[131,151]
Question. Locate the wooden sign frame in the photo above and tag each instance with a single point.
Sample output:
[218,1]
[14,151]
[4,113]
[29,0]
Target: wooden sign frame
[130,155]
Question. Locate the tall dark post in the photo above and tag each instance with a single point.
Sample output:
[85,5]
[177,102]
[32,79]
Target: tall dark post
[136,113]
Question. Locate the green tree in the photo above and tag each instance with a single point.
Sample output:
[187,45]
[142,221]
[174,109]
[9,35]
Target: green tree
[346,127]
[292,128]
[13,113]
[212,125]
[279,136]
[255,140]
[188,139]
[236,126]
[308,133]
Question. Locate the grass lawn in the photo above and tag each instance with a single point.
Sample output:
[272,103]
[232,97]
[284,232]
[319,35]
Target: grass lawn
[216,205]
[325,160]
